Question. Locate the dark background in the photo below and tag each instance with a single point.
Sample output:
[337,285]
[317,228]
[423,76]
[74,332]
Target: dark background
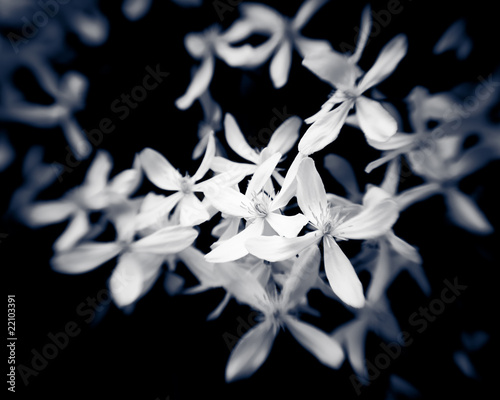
[165,348]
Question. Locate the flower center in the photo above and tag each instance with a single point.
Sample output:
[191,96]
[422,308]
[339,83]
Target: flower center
[260,206]
[186,185]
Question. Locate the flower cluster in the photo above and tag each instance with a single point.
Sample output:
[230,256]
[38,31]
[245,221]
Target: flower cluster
[278,232]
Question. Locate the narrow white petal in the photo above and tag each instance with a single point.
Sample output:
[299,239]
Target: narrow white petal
[341,276]
[234,248]
[168,240]
[325,130]
[199,83]
[150,215]
[277,248]
[207,160]
[371,222]
[159,170]
[311,194]
[285,136]
[464,212]
[332,67]
[220,164]
[417,194]
[306,12]
[285,225]
[302,277]
[237,141]
[403,248]
[133,276]
[262,174]
[374,120]
[229,201]
[326,349]
[387,61]
[366,27]
[251,351]
[281,63]
[85,257]
[77,228]
[97,175]
[48,212]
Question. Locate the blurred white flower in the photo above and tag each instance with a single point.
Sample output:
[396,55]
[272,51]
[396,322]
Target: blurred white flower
[284,34]
[455,38]
[342,73]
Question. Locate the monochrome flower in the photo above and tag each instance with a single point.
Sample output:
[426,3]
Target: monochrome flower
[345,76]
[335,219]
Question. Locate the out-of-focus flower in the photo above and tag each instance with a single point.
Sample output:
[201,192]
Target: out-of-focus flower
[342,73]
[95,194]
[136,9]
[332,218]
[139,260]
[278,310]
[282,140]
[212,122]
[69,94]
[400,387]
[455,39]
[203,46]
[259,208]
[284,34]
[472,342]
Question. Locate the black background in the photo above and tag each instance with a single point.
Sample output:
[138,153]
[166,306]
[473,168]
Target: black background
[165,348]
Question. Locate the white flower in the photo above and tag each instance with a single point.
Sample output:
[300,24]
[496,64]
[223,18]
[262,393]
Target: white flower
[278,311]
[163,175]
[284,35]
[258,207]
[139,260]
[342,73]
[136,9]
[282,140]
[69,93]
[341,220]
[95,194]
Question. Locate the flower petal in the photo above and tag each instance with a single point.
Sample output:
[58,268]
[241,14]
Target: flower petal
[262,174]
[289,185]
[48,212]
[366,27]
[285,136]
[234,248]
[199,83]
[332,67]
[311,194]
[374,120]
[371,222]
[306,12]
[237,141]
[133,276]
[302,277]
[341,276]
[387,61]
[207,160]
[192,211]
[277,248]
[325,130]
[229,201]
[326,349]
[281,63]
[74,232]
[168,240]
[416,194]
[251,351]
[285,225]
[159,170]
[85,257]
[464,212]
